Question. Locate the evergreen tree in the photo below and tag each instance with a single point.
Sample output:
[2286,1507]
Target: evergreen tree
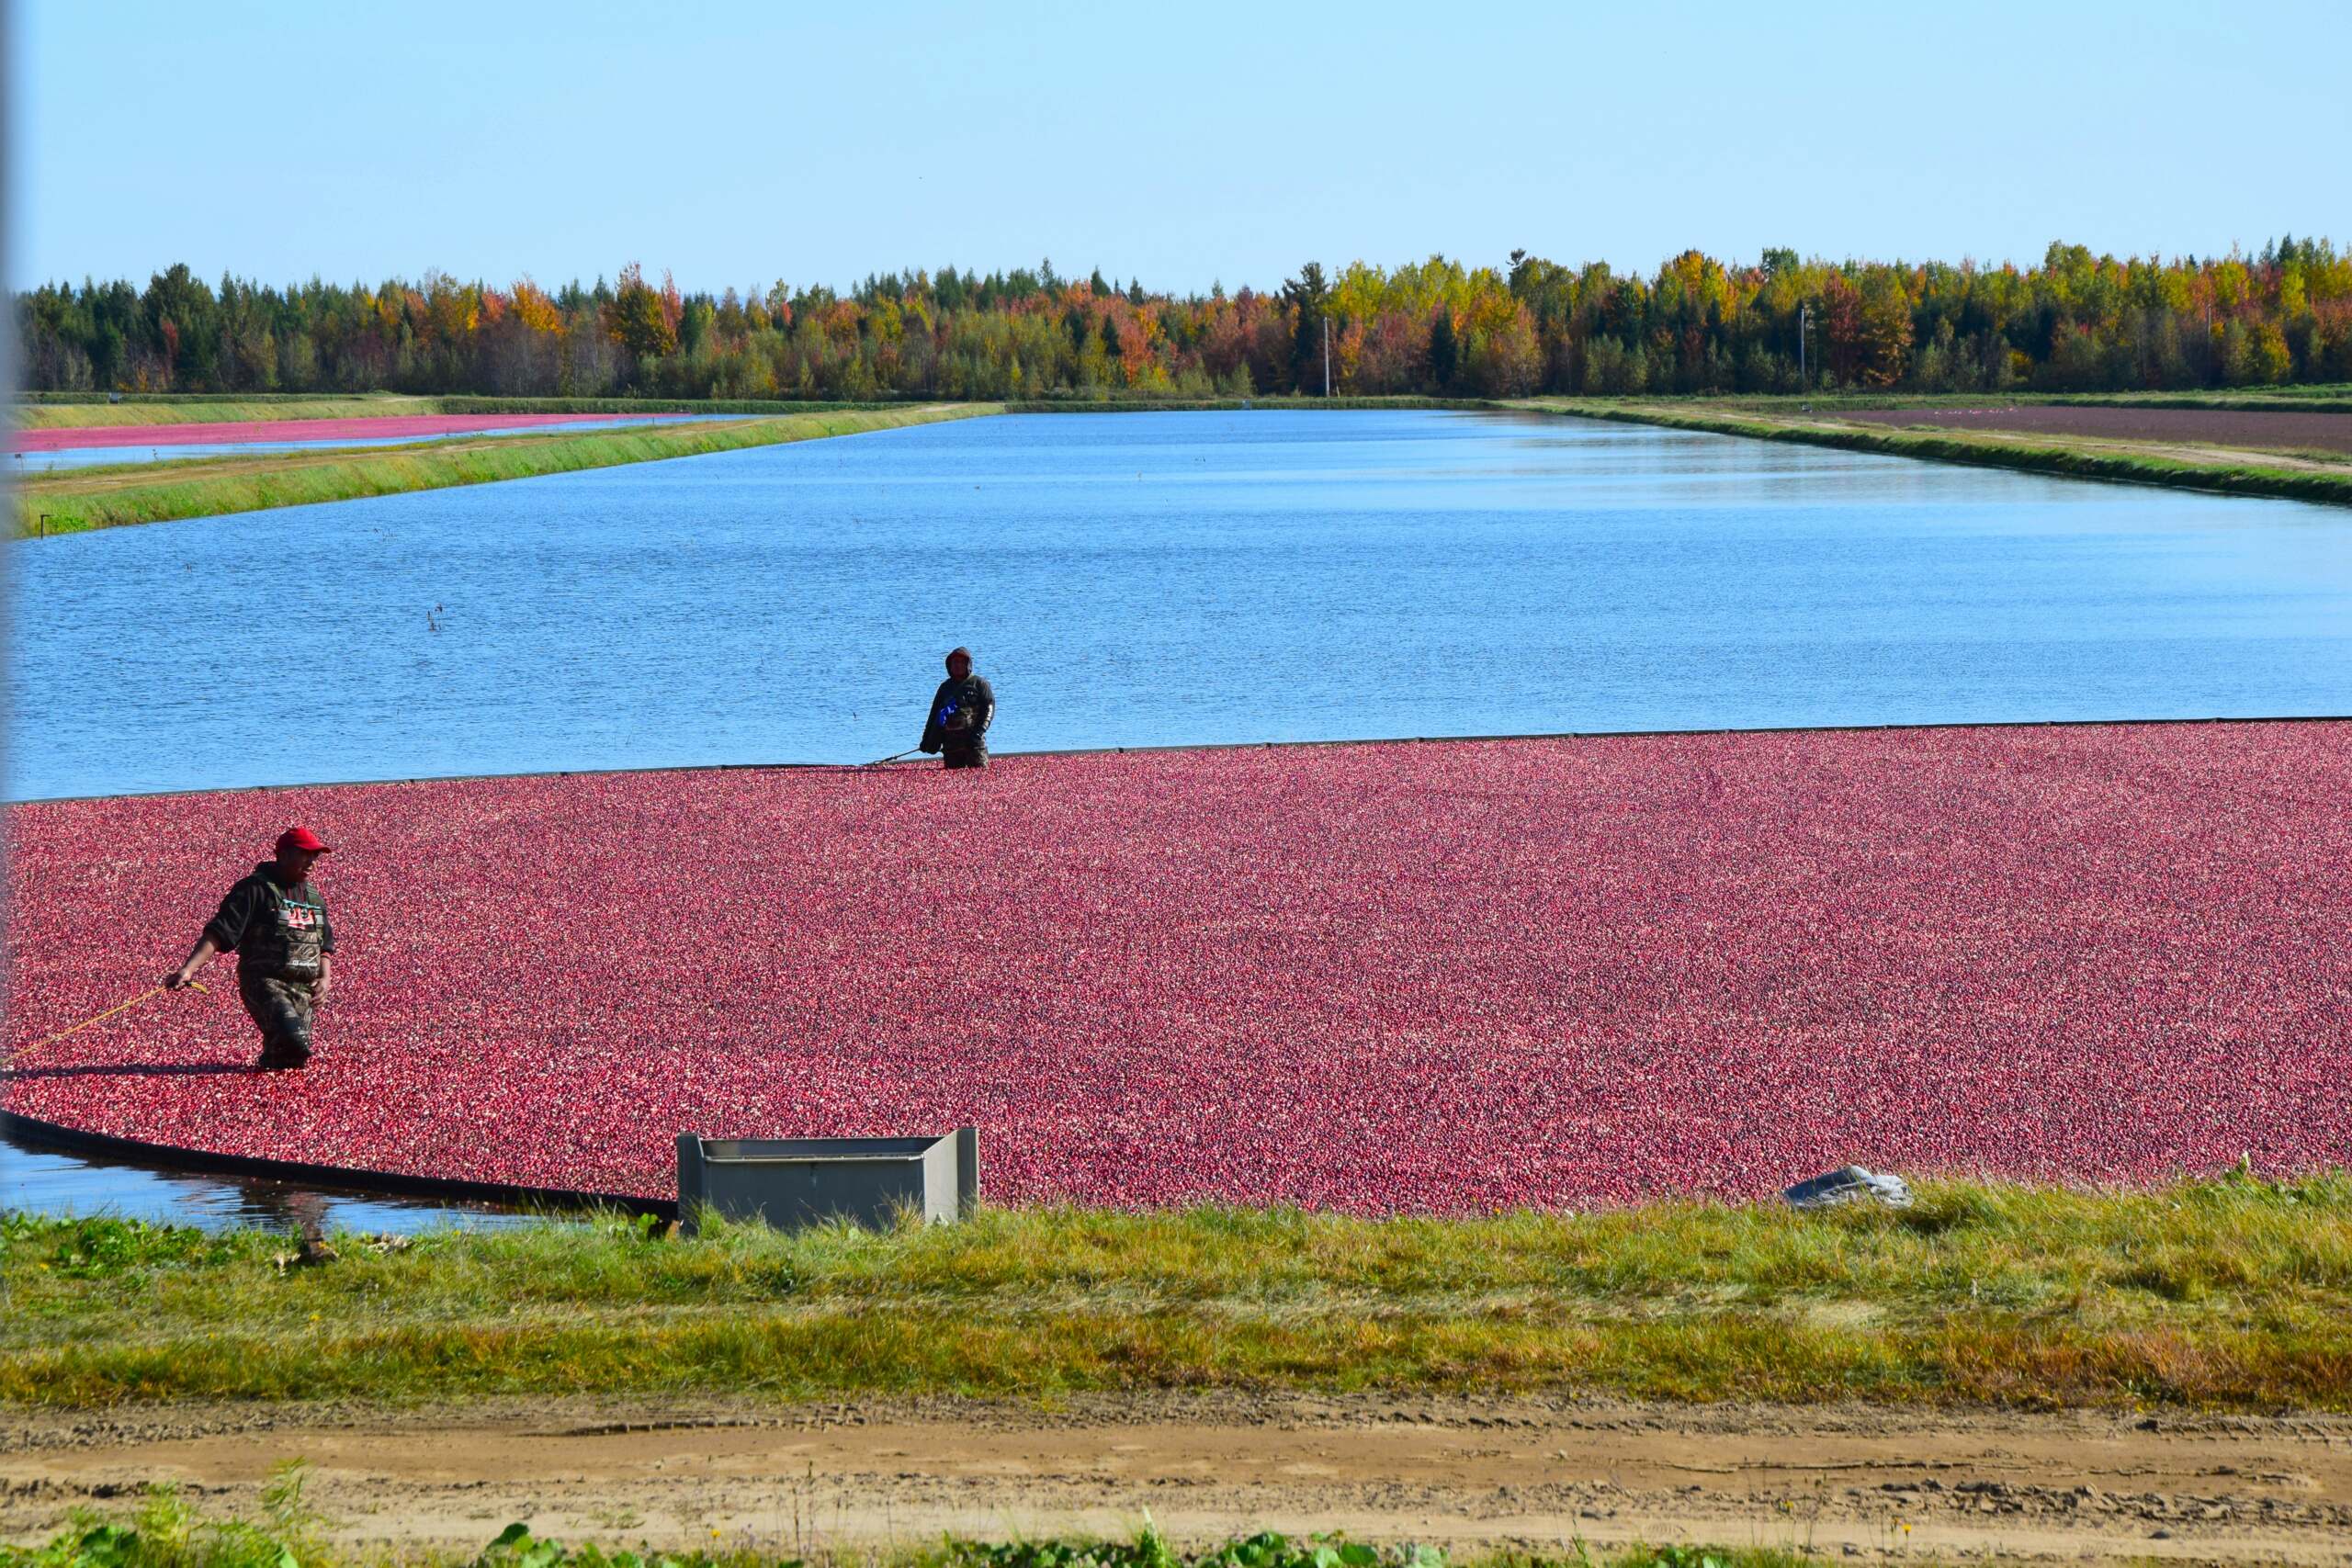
[1306,295]
[1445,351]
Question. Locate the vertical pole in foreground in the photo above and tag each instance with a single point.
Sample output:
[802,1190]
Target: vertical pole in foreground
[1804,321]
[1326,356]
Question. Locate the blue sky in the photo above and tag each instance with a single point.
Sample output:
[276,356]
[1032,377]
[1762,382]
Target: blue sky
[737,143]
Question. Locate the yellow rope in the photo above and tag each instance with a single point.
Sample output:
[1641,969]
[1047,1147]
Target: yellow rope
[97,1018]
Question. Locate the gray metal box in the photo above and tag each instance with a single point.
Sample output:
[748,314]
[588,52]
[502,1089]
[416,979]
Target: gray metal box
[792,1182]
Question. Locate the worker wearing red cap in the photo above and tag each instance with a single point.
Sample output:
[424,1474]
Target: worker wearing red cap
[277,925]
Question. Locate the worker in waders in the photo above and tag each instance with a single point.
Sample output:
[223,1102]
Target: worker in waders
[960,712]
[277,925]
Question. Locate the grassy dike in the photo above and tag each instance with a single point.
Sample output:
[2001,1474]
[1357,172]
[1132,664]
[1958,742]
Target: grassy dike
[71,501]
[2111,461]
[88,411]
[2232,1294]
[1235,405]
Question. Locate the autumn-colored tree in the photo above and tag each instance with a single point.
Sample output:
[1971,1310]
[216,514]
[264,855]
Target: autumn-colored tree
[1505,359]
[534,309]
[1841,326]
[635,318]
[1885,331]
[674,308]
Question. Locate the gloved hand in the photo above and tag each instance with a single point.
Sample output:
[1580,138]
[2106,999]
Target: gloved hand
[929,748]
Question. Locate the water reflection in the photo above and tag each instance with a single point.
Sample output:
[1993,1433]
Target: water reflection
[40,1180]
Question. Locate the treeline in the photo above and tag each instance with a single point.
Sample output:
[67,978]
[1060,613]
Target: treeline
[2077,323]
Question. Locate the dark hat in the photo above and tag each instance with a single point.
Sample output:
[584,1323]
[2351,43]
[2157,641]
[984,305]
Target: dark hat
[301,839]
[956,653]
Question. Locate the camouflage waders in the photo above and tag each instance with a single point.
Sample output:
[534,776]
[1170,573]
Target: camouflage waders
[278,975]
[282,1009]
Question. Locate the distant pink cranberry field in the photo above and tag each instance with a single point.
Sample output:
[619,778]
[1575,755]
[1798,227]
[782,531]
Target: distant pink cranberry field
[1447,978]
[224,433]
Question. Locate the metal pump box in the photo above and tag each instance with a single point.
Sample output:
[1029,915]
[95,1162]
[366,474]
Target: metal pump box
[792,1182]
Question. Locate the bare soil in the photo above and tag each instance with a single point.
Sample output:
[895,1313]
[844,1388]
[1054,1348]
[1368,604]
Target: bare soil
[1466,1473]
[2285,430]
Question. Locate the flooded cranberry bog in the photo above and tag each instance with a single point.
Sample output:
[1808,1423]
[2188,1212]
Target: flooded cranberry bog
[2287,427]
[245,433]
[1444,977]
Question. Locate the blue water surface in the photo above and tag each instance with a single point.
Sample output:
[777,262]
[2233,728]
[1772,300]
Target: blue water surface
[1149,580]
[35,1179]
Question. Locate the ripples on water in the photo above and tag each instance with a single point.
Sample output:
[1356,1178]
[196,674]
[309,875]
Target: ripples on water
[1156,579]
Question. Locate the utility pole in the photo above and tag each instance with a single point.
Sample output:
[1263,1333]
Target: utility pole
[1326,356]
[1804,322]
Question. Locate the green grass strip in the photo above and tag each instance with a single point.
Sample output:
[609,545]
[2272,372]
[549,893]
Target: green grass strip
[164,1531]
[71,501]
[1127,403]
[2003,450]
[471,405]
[2231,1294]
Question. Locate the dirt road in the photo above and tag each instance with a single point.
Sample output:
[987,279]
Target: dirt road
[1467,1473]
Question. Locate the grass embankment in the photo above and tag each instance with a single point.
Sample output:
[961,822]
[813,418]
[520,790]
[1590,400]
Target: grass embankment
[2233,1294]
[2246,471]
[454,404]
[165,1532]
[1224,405]
[79,411]
[2329,398]
[72,500]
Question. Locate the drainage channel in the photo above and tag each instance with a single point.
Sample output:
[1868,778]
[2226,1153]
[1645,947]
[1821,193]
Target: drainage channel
[55,1182]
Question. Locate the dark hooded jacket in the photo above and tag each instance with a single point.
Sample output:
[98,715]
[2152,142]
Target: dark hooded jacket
[970,699]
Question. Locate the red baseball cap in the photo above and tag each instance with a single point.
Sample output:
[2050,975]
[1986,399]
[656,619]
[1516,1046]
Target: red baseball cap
[301,839]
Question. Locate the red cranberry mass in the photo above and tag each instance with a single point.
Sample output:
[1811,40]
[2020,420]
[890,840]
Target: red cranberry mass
[1450,979]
